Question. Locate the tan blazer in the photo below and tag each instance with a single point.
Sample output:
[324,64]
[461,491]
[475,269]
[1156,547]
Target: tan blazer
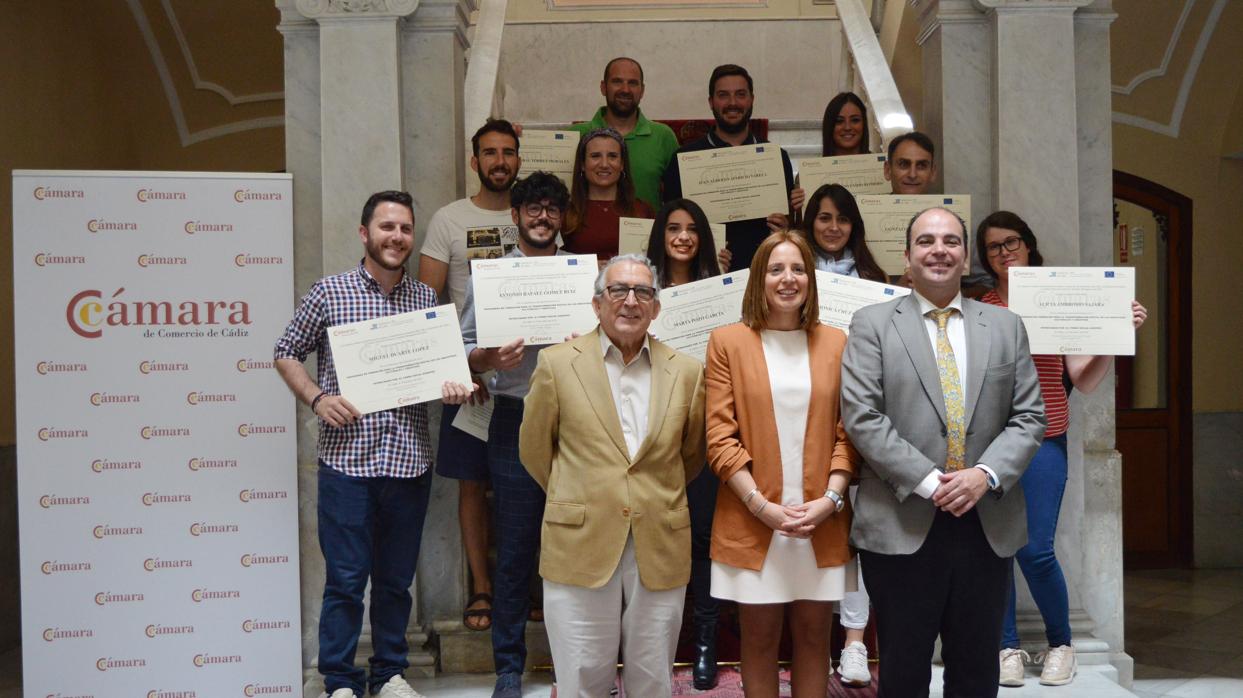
[742,433]
[571,442]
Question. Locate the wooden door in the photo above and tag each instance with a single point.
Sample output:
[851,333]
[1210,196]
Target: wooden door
[1152,232]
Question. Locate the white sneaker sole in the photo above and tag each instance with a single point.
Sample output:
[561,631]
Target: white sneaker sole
[1060,682]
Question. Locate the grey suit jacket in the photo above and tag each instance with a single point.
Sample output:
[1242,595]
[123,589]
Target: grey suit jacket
[894,413]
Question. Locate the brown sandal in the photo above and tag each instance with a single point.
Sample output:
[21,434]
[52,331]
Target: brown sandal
[485,614]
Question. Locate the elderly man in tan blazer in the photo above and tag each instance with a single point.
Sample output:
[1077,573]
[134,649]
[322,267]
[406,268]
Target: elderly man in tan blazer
[613,430]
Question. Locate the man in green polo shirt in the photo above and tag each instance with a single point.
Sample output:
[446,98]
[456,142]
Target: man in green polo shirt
[651,145]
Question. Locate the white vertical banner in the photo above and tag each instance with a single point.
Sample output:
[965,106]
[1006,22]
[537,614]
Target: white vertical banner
[157,489]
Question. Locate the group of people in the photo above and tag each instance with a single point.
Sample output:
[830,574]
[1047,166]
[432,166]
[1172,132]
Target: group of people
[606,453]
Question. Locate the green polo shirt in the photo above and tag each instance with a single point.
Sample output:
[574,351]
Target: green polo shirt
[651,146]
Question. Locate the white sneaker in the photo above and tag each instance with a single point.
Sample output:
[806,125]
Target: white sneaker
[339,693]
[1060,666]
[398,688]
[1013,663]
[854,665]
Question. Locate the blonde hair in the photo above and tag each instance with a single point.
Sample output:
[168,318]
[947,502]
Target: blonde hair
[755,304]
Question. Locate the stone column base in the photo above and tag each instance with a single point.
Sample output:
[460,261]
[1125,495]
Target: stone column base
[464,651]
[1091,652]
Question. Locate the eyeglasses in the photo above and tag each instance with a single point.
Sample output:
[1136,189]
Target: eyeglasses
[619,292]
[1011,244]
[533,210]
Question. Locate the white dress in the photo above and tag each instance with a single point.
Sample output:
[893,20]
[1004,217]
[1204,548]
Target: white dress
[789,572]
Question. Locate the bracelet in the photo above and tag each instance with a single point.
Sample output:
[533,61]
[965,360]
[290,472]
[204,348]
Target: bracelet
[759,509]
[746,500]
[836,498]
[317,399]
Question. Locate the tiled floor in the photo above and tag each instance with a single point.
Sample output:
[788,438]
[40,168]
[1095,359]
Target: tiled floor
[1184,628]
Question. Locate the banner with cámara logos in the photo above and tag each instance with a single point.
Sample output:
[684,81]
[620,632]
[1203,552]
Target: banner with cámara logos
[156,449]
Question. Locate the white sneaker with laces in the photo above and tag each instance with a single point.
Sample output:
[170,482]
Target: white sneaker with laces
[854,665]
[398,688]
[1013,663]
[1060,666]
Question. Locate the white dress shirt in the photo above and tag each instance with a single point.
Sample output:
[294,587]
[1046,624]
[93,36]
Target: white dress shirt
[631,384]
[956,332]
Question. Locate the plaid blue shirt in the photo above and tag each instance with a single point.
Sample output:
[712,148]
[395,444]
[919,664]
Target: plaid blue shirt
[392,443]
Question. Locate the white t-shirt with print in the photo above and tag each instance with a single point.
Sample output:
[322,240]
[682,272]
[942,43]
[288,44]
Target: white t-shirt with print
[460,232]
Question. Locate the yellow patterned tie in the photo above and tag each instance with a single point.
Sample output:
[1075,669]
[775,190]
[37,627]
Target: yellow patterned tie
[951,389]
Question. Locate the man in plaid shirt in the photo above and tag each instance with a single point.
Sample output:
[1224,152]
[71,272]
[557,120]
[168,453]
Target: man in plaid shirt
[373,469]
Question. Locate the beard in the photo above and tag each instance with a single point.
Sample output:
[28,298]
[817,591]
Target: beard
[525,233]
[374,252]
[726,127]
[622,111]
[485,180]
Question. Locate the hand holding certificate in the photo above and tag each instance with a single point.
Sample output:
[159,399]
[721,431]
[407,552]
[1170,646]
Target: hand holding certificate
[840,296]
[550,151]
[861,174]
[633,234]
[885,216]
[543,300]
[689,313]
[1075,310]
[398,360]
[735,184]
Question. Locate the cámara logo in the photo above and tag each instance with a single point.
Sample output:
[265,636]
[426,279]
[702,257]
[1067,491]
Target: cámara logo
[45,367]
[145,195]
[104,598]
[152,564]
[261,495]
[87,313]
[96,225]
[48,501]
[201,595]
[148,367]
[52,634]
[245,430]
[55,566]
[244,365]
[43,259]
[252,625]
[161,693]
[100,399]
[252,559]
[104,530]
[49,433]
[200,528]
[153,498]
[150,432]
[158,260]
[202,660]
[195,227]
[42,193]
[197,464]
[197,398]
[108,663]
[157,630]
[251,690]
[241,196]
[100,465]
[247,260]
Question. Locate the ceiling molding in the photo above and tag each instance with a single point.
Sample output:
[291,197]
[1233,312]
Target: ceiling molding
[1173,128]
[201,84]
[1160,70]
[174,102]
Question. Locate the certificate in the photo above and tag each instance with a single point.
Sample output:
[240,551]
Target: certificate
[1075,310]
[689,313]
[541,299]
[885,216]
[861,174]
[474,419]
[840,296]
[550,151]
[735,184]
[398,360]
[633,234]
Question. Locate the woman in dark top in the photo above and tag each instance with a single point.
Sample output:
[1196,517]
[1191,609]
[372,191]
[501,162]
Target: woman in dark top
[602,192]
[834,227]
[844,130]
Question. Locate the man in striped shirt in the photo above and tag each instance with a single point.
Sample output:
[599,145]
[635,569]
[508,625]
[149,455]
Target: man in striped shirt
[373,469]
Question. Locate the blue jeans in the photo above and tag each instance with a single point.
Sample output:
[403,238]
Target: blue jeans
[1043,485]
[519,515]
[701,497]
[369,527]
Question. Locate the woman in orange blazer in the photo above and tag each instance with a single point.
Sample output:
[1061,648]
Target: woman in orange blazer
[775,437]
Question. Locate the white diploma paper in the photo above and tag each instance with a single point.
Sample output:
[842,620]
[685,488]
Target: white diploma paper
[735,184]
[885,216]
[861,174]
[474,419]
[400,359]
[1075,310]
[689,313]
[550,151]
[541,299]
[633,234]
[840,296]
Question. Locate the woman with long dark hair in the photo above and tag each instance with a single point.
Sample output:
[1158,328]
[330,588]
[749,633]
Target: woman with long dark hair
[602,192]
[844,130]
[1004,240]
[834,227]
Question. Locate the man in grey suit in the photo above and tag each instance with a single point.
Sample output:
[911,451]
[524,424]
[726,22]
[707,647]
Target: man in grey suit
[940,511]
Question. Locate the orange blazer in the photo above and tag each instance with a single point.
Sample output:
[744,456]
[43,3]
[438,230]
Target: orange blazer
[742,433]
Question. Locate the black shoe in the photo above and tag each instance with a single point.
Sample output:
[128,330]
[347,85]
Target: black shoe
[703,673]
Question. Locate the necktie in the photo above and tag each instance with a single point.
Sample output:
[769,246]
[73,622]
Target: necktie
[951,389]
